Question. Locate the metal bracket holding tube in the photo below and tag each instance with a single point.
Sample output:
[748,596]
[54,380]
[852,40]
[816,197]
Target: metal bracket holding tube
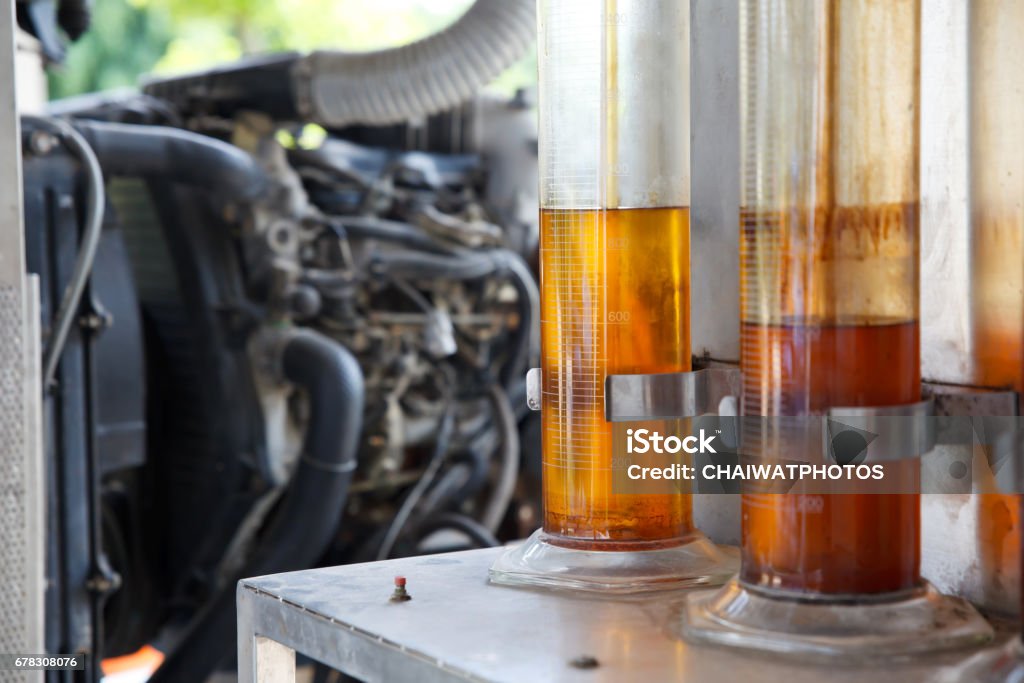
[891,432]
[534,387]
[957,401]
[631,398]
[969,416]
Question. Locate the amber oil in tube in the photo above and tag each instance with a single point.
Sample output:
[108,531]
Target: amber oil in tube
[835,544]
[829,276]
[615,252]
[615,290]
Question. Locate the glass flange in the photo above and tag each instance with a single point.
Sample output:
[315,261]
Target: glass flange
[911,623]
[997,665]
[541,563]
[1007,667]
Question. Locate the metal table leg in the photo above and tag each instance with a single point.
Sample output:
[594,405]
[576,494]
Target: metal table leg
[260,659]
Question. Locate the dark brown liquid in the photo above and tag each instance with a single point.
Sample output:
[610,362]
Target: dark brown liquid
[841,543]
[615,289]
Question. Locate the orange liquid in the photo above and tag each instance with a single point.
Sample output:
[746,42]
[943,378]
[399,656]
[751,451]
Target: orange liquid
[841,543]
[838,544]
[615,288]
[841,284]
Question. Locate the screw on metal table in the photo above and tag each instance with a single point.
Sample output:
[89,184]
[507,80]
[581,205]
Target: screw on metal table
[457,627]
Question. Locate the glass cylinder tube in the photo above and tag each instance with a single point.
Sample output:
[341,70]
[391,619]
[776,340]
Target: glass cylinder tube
[614,154]
[829,254]
[615,250]
[997,251]
[1000,665]
[829,268]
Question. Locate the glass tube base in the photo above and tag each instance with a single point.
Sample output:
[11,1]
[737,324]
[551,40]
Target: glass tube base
[921,621]
[1008,668]
[540,563]
[999,665]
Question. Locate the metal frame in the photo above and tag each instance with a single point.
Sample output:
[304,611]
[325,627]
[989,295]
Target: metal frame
[715,181]
[457,627]
[22,521]
[271,630]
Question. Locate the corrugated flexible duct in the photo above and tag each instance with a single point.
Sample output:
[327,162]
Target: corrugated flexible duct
[437,73]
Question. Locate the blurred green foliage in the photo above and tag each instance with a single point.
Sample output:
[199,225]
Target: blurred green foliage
[130,38]
[123,42]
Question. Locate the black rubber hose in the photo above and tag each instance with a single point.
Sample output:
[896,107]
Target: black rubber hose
[414,264]
[476,531]
[441,495]
[527,343]
[478,462]
[368,227]
[181,156]
[307,518]
[67,313]
[74,16]
[419,489]
[505,421]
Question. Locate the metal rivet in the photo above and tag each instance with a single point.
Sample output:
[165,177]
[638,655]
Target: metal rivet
[584,662]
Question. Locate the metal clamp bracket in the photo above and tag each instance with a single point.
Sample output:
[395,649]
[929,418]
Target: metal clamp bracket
[991,418]
[534,387]
[890,432]
[633,398]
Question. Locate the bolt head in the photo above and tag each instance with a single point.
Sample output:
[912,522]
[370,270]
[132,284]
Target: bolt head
[584,662]
[41,142]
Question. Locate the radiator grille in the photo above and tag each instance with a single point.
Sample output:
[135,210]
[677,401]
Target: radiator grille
[15,578]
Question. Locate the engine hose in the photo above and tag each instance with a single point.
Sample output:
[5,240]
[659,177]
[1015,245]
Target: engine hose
[181,156]
[368,227]
[417,492]
[95,208]
[442,494]
[74,16]
[478,463]
[418,265]
[305,521]
[472,265]
[505,420]
[437,73]
[527,345]
[477,533]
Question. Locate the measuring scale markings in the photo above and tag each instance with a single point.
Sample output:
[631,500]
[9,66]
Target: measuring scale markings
[615,281]
[615,310]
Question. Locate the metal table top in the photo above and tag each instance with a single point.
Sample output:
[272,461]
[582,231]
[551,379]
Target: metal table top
[458,627]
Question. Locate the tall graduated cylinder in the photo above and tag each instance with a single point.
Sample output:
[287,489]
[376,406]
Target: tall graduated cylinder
[997,260]
[829,267]
[615,250]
